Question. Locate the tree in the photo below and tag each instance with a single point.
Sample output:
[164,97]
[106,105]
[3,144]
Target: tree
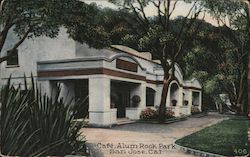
[26,19]
[107,25]
[29,19]
[235,40]
[165,38]
[214,64]
[201,63]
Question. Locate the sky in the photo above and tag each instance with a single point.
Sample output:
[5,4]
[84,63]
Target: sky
[181,9]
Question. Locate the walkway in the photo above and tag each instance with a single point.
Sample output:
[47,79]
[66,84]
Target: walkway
[145,140]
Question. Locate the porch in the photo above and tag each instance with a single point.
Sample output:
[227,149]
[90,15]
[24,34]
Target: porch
[111,84]
[110,99]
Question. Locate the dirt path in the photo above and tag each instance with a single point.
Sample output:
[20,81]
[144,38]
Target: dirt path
[145,140]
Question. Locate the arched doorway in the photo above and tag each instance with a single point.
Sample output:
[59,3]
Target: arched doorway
[174,94]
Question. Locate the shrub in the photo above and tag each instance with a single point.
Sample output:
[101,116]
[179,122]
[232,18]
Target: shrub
[32,124]
[169,114]
[195,110]
[148,114]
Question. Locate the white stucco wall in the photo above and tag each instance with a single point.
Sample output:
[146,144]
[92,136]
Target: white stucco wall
[83,50]
[37,49]
[67,91]
[193,83]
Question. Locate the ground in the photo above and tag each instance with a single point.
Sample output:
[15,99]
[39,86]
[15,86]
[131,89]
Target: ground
[141,139]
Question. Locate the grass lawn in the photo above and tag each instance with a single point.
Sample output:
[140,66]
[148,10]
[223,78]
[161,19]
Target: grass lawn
[227,138]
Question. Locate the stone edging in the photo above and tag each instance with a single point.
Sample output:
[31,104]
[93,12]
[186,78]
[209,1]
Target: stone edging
[199,115]
[171,120]
[196,152]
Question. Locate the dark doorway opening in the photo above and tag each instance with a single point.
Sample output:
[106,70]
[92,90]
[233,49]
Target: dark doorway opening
[150,97]
[120,97]
[196,98]
[81,98]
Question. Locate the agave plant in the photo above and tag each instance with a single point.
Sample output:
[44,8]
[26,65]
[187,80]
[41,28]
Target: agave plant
[14,121]
[34,124]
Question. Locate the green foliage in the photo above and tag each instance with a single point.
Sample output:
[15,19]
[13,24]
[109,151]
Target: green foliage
[223,7]
[210,83]
[33,124]
[45,17]
[231,9]
[14,122]
[157,35]
[223,138]
[212,87]
[218,59]
[199,59]
[202,64]
[84,23]
[163,39]
[127,3]
[35,15]
[89,23]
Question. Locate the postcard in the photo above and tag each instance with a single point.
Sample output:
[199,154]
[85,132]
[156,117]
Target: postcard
[122,78]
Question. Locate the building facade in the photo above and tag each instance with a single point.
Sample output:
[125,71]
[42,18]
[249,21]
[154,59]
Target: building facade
[109,77]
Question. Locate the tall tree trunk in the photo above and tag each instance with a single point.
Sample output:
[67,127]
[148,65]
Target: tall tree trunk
[247,107]
[3,36]
[162,108]
[245,89]
[242,94]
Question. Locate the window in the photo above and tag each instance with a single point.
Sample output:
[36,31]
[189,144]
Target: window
[13,59]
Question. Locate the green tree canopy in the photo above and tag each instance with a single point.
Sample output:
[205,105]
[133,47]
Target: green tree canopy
[29,19]
[221,53]
[234,45]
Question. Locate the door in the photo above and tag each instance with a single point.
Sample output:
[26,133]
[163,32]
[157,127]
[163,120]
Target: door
[123,102]
[122,91]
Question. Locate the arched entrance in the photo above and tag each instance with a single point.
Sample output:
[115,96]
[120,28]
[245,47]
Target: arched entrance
[174,94]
